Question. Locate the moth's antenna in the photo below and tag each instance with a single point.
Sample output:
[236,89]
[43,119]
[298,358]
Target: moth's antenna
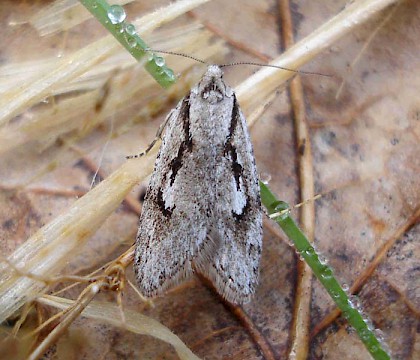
[237,63]
[178,54]
[275,66]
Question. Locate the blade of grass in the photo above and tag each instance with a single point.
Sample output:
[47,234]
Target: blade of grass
[23,95]
[112,17]
[62,15]
[279,212]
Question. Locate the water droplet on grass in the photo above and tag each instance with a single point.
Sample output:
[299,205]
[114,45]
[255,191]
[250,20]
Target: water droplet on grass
[130,29]
[160,61]
[116,14]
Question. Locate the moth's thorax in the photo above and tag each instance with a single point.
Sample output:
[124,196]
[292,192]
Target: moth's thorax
[212,87]
[211,106]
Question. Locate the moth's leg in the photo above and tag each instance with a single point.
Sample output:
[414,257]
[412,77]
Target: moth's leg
[157,137]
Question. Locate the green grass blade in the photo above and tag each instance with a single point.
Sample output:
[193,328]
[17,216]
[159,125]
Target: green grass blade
[112,17]
[279,212]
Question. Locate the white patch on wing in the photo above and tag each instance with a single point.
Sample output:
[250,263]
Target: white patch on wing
[168,196]
[238,197]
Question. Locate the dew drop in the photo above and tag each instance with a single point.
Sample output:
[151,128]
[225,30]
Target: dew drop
[132,42]
[368,322]
[322,260]
[119,28]
[160,61]
[356,302]
[327,272]
[379,334]
[345,287]
[265,178]
[130,29]
[310,251]
[116,14]
[170,74]
[365,335]
[281,207]
[326,276]
[346,314]
[335,295]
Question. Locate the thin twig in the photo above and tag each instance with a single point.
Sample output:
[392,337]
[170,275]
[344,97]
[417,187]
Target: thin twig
[299,340]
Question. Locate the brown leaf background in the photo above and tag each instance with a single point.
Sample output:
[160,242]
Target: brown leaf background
[366,150]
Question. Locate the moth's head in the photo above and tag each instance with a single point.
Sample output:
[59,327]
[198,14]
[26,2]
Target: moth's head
[211,87]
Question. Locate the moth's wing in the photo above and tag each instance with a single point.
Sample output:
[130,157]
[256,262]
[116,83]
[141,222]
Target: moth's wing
[237,218]
[171,227]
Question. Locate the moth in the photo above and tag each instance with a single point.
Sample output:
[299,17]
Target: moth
[202,209]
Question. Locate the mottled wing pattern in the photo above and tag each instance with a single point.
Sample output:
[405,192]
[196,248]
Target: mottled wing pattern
[202,209]
[237,220]
[166,240]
